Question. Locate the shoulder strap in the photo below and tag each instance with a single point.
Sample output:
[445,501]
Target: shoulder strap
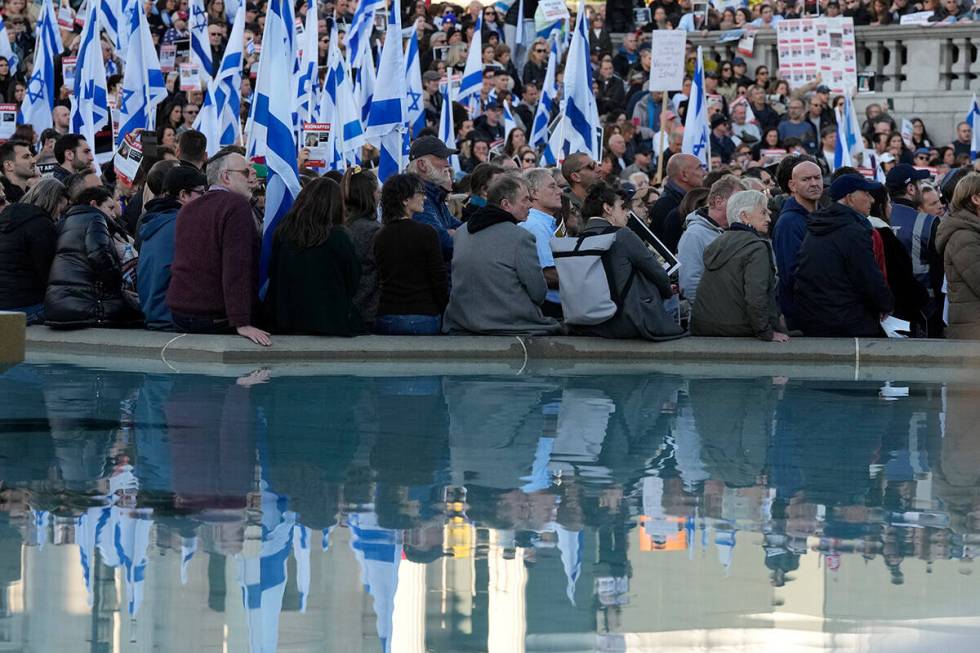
[618,297]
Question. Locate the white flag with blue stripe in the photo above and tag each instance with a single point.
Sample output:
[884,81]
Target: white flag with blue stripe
[697,137]
[580,129]
[50,19]
[144,86]
[301,553]
[6,51]
[413,72]
[361,28]
[308,78]
[327,106]
[90,98]
[378,552]
[337,108]
[570,544]
[220,116]
[472,82]
[546,105]
[974,119]
[386,119]
[200,44]
[115,16]
[272,125]
[447,130]
[39,98]
[849,142]
[509,123]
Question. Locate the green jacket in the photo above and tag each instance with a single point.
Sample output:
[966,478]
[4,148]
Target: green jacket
[737,294]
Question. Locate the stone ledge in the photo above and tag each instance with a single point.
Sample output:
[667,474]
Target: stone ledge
[169,347]
[12,326]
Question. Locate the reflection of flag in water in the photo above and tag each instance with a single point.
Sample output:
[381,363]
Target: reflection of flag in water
[378,551]
[725,543]
[326,537]
[263,578]
[188,547]
[131,539]
[89,527]
[41,519]
[301,551]
[570,544]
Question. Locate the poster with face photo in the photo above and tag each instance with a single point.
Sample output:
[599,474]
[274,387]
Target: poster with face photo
[316,135]
[68,72]
[168,57]
[8,121]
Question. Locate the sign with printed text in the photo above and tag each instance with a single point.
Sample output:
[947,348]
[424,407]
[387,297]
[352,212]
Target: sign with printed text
[190,78]
[128,157]
[8,121]
[316,135]
[168,57]
[68,72]
[66,17]
[917,18]
[818,46]
[553,10]
[667,59]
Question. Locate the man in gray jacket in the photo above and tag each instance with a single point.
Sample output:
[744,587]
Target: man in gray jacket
[701,228]
[497,283]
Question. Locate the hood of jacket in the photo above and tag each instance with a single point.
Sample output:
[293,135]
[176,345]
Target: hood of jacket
[728,245]
[834,217]
[701,219]
[159,212]
[951,224]
[17,215]
[488,216]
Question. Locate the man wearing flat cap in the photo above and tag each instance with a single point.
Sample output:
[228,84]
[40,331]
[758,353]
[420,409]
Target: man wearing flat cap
[840,291]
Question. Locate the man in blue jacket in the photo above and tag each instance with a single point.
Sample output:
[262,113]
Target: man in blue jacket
[805,187]
[181,185]
[429,159]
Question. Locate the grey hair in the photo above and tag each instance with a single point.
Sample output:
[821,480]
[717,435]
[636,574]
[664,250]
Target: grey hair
[505,187]
[742,201]
[46,194]
[217,165]
[637,177]
[538,177]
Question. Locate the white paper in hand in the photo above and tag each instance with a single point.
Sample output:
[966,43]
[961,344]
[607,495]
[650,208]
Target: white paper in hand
[895,328]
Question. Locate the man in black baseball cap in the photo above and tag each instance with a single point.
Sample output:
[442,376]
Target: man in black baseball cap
[916,230]
[428,157]
[839,289]
[155,234]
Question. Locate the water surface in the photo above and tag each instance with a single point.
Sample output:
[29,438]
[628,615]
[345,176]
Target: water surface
[534,512]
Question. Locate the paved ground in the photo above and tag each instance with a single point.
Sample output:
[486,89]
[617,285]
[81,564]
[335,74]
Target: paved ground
[168,347]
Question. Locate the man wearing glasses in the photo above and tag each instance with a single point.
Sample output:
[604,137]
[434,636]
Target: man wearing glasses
[579,170]
[214,276]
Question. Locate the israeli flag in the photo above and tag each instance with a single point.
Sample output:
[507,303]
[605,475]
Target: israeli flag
[200,44]
[131,539]
[88,531]
[144,86]
[51,29]
[509,123]
[367,80]
[115,16]
[188,547]
[849,141]
[272,125]
[570,544]
[90,99]
[580,116]
[697,137]
[6,51]
[220,116]
[361,28]
[301,553]
[378,552]
[386,119]
[413,72]
[337,108]
[546,105]
[40,96]
[974,119]
[472,82]
[327,106]
[308,78]
[447,131]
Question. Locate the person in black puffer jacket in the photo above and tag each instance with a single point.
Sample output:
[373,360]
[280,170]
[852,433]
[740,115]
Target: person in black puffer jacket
[85,284]
[27,245]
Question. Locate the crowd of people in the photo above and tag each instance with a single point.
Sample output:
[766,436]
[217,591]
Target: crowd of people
[774,240]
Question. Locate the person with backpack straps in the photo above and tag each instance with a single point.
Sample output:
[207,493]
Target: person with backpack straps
[630,303]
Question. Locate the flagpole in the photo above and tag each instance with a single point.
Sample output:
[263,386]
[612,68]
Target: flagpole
[660,152]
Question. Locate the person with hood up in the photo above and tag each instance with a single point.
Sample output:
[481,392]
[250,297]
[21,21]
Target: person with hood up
[28,238]
[85,284]
[840,290]
[497,283]
[737,294]
[156,233]
[958,242]
[701,228]
[640,282]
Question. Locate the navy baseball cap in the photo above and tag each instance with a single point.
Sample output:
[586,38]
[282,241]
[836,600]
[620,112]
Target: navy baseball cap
[903,174]
[847,184]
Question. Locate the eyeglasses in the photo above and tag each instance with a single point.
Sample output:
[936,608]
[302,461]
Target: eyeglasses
[591,165]
[190,111]
[248,172]
[540,50]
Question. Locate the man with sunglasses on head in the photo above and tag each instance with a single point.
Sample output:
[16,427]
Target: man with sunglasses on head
[580,171]
[214,276]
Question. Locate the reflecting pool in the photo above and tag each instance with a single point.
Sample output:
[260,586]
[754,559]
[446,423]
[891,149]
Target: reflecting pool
[299,511]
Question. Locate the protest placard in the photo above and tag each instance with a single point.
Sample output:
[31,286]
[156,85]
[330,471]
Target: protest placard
[316,135]
[8,121]
[68,72]
[168,57]
[129,156]
[190,79]
[553,10]
[667,60]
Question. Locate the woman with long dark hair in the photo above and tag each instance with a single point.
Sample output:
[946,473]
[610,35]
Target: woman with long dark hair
[313,270]
[412,276]
[361,193]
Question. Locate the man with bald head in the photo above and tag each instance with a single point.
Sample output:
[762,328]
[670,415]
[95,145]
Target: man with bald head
[684,173]
[805,187]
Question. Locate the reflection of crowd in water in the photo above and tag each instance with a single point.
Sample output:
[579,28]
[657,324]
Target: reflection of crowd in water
[263,465]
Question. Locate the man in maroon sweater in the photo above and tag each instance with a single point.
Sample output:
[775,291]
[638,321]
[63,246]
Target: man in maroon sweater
[214,276]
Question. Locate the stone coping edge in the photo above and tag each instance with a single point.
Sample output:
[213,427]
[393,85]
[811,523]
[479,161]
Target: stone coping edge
[136,344]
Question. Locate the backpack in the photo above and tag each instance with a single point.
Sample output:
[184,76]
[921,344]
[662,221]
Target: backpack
[588,295]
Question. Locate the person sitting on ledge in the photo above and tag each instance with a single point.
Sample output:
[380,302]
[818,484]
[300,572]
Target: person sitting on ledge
[497,283]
